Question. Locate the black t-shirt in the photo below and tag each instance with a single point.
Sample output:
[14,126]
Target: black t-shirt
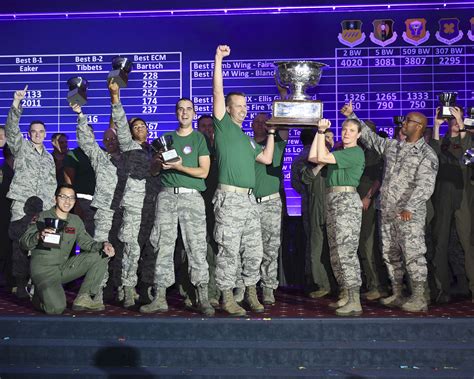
[84,179]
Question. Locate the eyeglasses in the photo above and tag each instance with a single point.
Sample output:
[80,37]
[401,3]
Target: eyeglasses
[66,198]
[408,120]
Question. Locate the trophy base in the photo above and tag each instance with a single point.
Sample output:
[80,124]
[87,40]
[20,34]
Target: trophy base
[52,240]
[76,96]
[445,112]
[170,156]
[120,77]
[296,113]
[289,122]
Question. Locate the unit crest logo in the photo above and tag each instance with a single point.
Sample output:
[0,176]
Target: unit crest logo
[470,33]
[416,32]
[449,32]
[383,34]
[351,34]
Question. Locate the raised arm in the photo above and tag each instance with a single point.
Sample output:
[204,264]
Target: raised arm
[266,156]
[370,139]
[218,98]
[86,138]
[12,129]
[323,155]
[119,117]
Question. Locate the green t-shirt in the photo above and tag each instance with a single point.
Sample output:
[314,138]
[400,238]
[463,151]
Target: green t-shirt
[236,153]
[348,169]
[189,148]
[267,177]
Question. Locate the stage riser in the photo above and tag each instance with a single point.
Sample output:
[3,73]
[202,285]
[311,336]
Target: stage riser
[250,354]
[241,330]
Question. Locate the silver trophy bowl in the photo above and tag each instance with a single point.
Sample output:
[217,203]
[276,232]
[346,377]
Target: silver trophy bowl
[298,76]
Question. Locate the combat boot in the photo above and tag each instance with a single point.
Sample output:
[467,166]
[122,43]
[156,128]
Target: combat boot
[230,306]
[239,294]
[268,297]
[374,294]
[318,294]
[396,300]
[352,307]
[84,302]
[158,304]
[128,296]
[417,301]
[252,300]
[343,299]
[203,301]
[21,288]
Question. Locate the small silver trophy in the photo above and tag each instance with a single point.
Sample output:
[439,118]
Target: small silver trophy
[164,146]
[297,109]
[122,66]
[447,100]
[77,90]
[53,240]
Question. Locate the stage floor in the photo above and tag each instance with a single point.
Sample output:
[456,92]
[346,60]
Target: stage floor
[291,303]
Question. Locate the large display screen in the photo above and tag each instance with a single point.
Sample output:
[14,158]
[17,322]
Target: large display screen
[387,63]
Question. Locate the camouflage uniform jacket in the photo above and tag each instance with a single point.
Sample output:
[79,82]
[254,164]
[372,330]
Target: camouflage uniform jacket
[105,170]
[35,172]
[409,173]
[138,163]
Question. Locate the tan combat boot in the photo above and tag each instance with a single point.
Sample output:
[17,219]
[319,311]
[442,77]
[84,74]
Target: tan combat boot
[158,304]
[239,294]
[129,296]
[203,301]
[230,306]
[84,302]
[343,299]
[417,301]
[252,300]
[318,294]
[352,307]
[396,300]
[267,295]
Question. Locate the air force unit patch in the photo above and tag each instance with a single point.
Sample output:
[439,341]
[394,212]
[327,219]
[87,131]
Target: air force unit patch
[351,34]
[383,34]
[415,33]
[449,32]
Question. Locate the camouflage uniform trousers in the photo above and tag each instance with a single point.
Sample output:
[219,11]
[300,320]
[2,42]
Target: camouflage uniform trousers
[270,223]
[403,245]
[189,211]
[128,234]
[103,223]
[238,236]
[343,221]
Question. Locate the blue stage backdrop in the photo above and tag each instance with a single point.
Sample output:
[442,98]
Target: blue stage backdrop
[387,63]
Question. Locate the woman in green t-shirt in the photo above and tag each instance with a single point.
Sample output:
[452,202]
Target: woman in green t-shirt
[344,209]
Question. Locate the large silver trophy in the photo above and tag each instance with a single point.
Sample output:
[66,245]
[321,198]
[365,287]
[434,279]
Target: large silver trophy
[447,100]
[297,109]
[77,90]
[122,66]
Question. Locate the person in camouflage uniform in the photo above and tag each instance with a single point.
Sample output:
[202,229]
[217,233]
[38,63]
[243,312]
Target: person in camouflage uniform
[408,182]
[237,230]
[344,208]
[33,185]
[180,202]
[267,193]
[451,201]
[135,201]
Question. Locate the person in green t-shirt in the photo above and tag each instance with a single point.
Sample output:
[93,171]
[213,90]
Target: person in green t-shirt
[344,209]
[237,230]
[267,193]
[180,202]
